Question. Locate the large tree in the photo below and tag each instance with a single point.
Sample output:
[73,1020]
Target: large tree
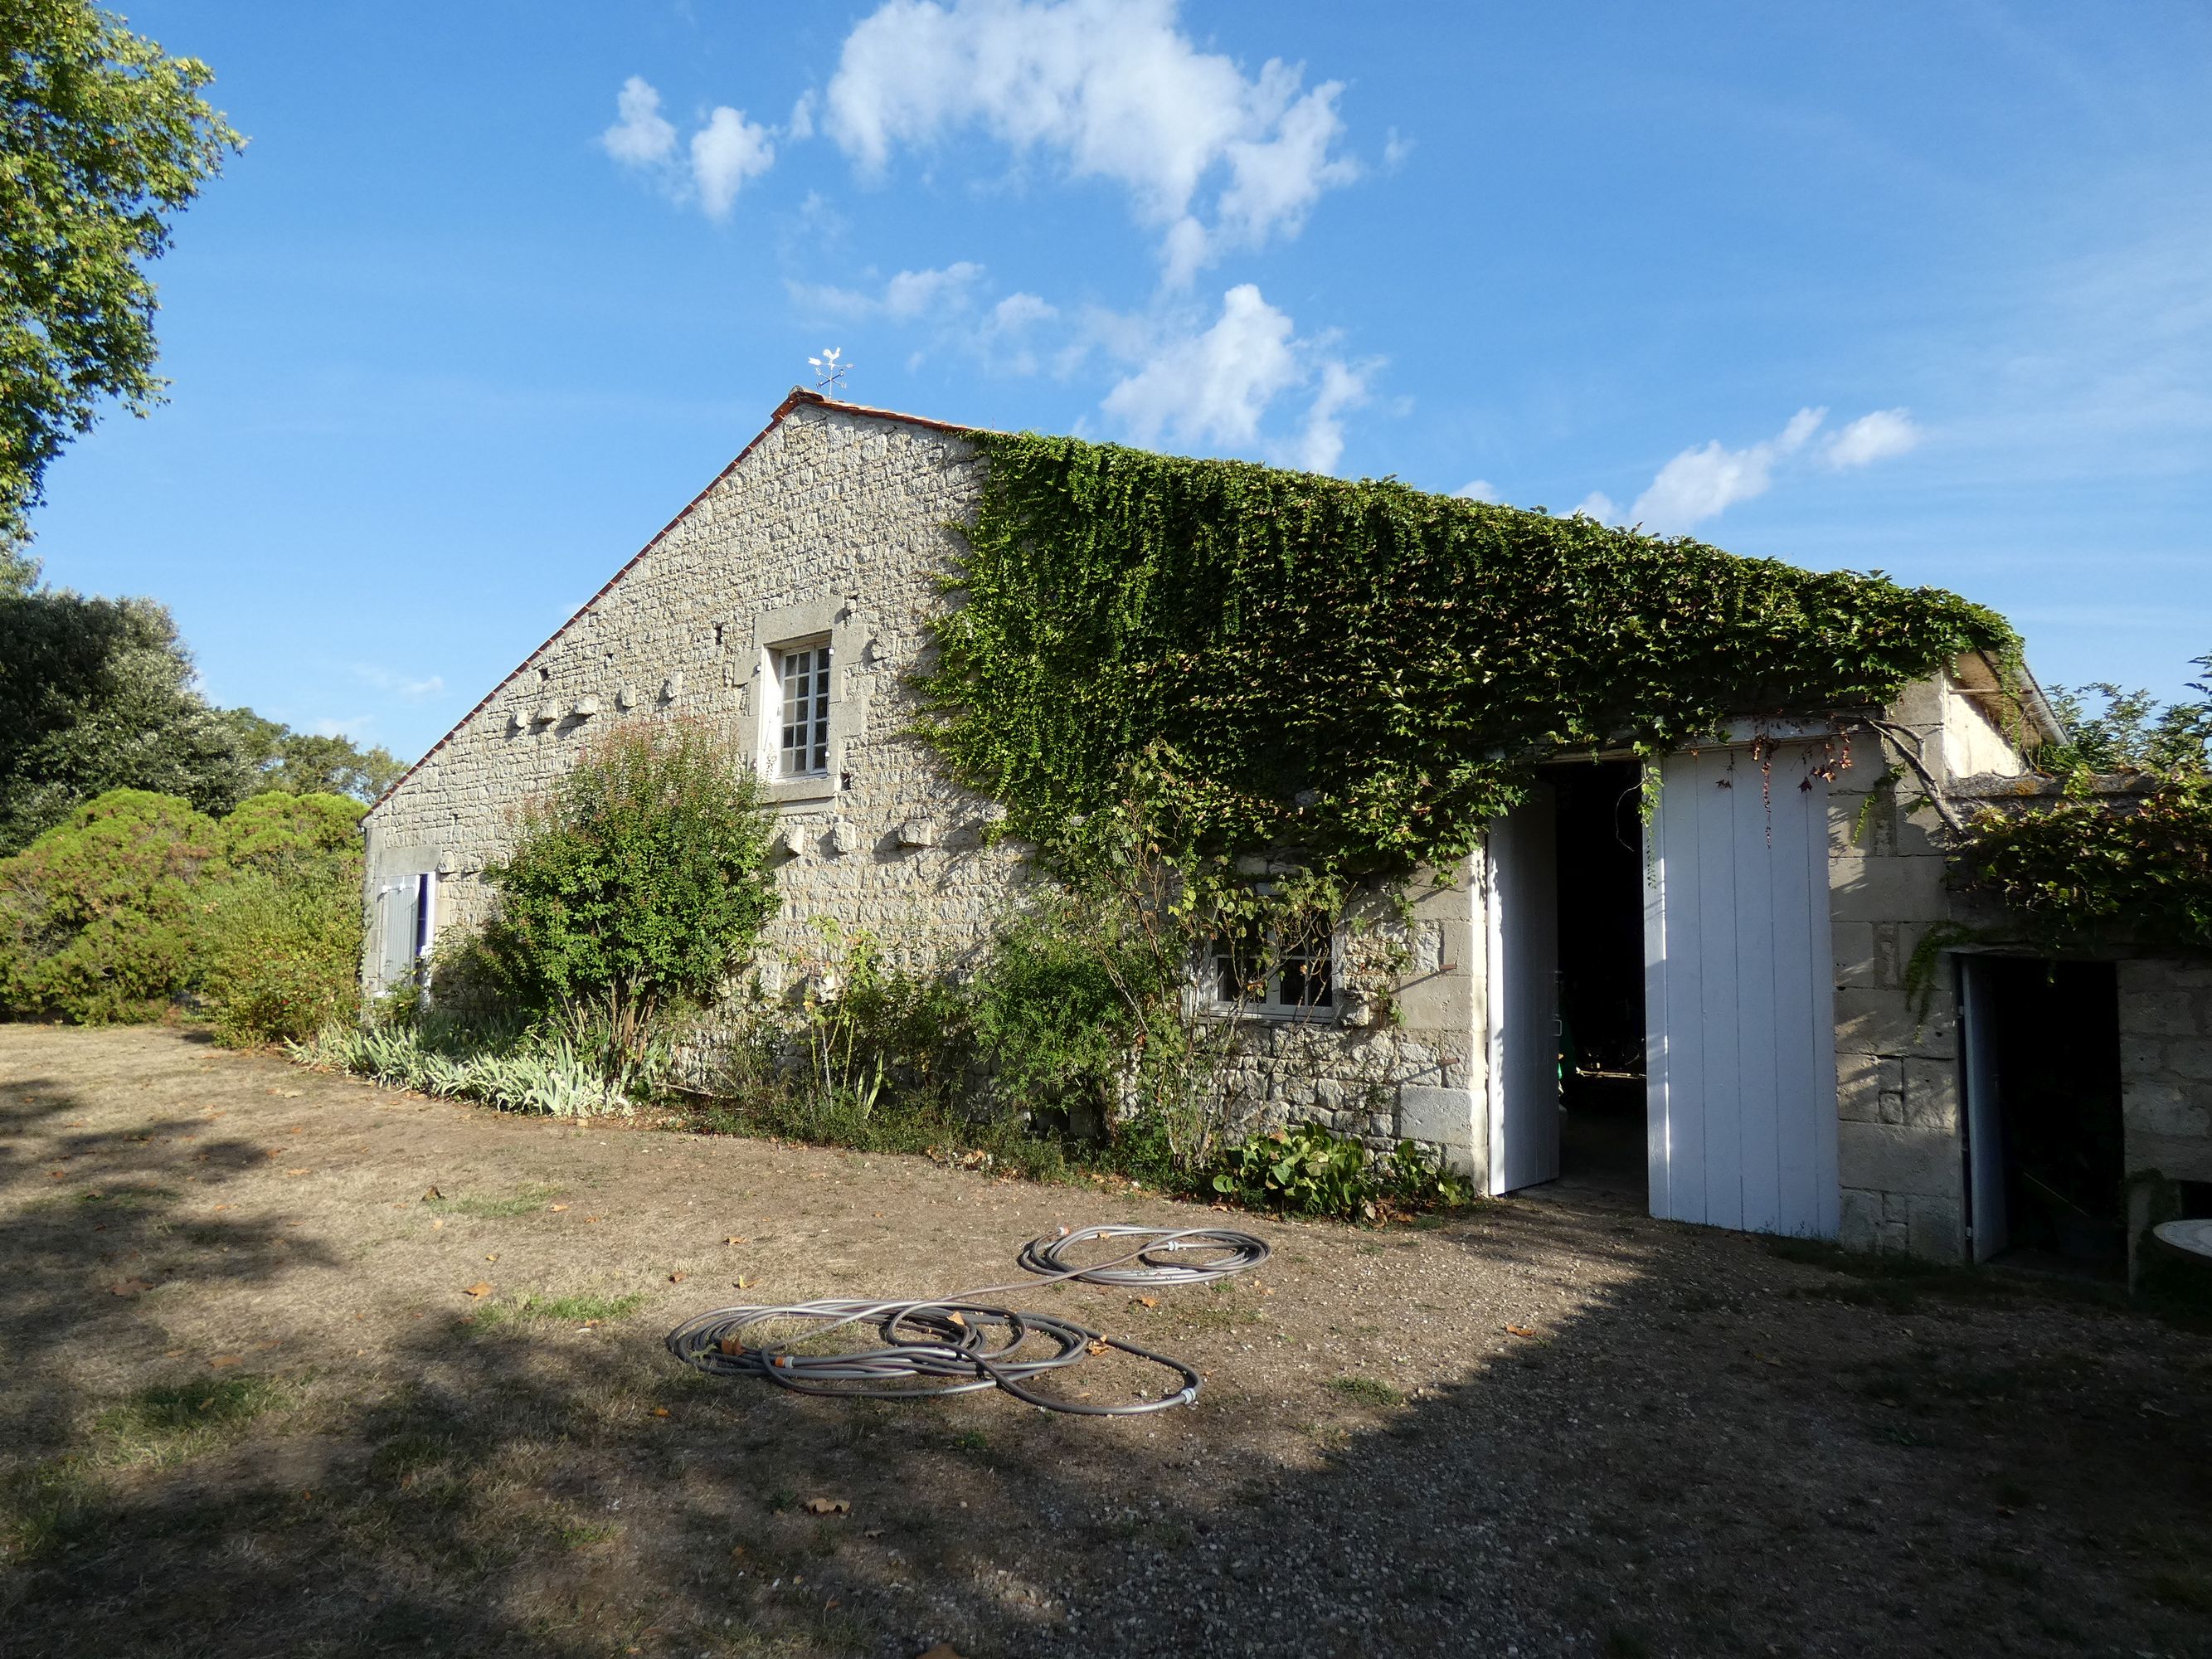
[97,695]
[105,139]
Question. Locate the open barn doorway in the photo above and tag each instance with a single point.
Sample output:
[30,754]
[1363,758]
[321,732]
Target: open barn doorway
[2046,1152]
[1565,976]
[1599,841]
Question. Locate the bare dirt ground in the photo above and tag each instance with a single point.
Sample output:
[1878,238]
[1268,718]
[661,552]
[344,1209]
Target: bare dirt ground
[253,1410]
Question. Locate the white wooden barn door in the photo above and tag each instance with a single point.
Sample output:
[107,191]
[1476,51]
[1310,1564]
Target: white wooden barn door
[1740,995]
[1524,973]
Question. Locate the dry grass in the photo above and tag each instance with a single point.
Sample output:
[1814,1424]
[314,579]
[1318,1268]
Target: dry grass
[254,1409]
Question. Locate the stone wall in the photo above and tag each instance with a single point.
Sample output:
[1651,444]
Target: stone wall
[2166,1067]
[1897,1064]
[832,524]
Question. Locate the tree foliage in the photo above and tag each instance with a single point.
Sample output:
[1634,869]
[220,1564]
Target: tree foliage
[307,763]
[2111,730]
[98,916]
[138,901]
[97,695]
[638,882]
[2131,865]
[1361,670]
[107,139]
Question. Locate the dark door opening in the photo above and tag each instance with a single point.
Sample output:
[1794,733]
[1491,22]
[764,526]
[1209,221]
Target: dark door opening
[1600,831]
[2045,1153]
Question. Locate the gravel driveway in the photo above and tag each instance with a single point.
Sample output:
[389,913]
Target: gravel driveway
[257,1410]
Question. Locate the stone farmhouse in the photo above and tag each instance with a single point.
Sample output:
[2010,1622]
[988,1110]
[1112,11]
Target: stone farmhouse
[1713,1008]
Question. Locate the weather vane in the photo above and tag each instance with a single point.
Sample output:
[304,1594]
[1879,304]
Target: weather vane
[829,372]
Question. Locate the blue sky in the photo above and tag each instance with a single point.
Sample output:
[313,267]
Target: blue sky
[1923,288]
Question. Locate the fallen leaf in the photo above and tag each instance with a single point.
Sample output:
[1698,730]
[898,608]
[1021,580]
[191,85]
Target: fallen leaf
[873,1532]
[591,1218]
[292,1172]
[828,1506]
[222,1206]
[1519,1330]
[432,1196]
[491,1258]
[1097,1344]
[661,1410]
[737,1549]
[557,1208]
[1145,1301]
[478,1289]
[745,1283]
[736,1239]
[223,1359]
[129,1287]
[678,1277]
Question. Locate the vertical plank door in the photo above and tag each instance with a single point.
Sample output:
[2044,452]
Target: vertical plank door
[1740,995]
[1523,977]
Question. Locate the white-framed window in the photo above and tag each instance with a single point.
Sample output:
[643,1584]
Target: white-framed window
[802,673]
[1284,975]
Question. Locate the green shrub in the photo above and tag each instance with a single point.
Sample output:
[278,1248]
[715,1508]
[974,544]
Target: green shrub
[539,1069]
[1052,1020]
[637,884]
[98,916]
[281,927]
[1306,1171]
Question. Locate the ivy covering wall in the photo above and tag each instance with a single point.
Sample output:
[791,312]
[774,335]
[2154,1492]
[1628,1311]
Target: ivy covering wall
[1361,671]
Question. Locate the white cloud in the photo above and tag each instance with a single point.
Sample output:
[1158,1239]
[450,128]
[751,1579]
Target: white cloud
[643,137]
[800,127]
[1871,438]
[936,293]
[1598,505]
[384,679]
[1320,444]
[1117,90]
[1478,489]
[1702,483]
[724,153]
[914,293]
[1395,149]
[1213,389]
[1020,310]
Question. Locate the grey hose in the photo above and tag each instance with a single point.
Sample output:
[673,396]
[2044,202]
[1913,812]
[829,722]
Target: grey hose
[958,1344]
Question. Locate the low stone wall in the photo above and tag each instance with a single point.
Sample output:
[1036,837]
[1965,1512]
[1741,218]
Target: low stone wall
[2166,1067]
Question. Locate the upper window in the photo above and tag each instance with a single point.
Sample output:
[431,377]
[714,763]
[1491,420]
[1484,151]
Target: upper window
[1297,975]
[804,673]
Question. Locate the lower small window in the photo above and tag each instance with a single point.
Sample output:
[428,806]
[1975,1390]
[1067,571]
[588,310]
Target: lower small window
[1297,975]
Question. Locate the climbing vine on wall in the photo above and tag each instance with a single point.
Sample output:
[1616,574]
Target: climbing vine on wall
[1362,674]
[2093,868]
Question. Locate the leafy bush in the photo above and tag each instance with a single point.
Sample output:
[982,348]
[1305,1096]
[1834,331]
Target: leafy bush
[139,901]
[637,885]
[99,916]
[540,1070]
[282,931]
[1052,1018]
[1309,1171]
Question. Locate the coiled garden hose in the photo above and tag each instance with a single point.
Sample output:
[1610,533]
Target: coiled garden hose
[958,1344]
